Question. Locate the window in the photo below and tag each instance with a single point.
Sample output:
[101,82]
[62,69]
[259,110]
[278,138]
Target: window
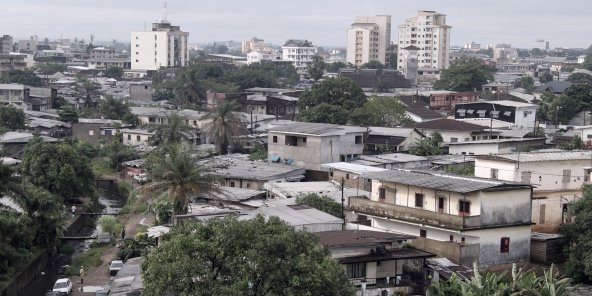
[248,185]
[358,140]
[381,194]
[441,201]
[231,184]
[356,270]
[129,137]
[464,208]
[526,177]
[423,233]
[419,200]
[138,139]
[494,173]
[303,139]
[453,140]
[91,133]
[275,139]
[505,245]
[451,238]
[462,239]
[566,176]
[108,132]
[291,141]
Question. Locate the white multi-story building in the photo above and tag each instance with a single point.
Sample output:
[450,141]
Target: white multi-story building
[541,44]
[252,44]
[428,32]
[258,56]
[368,39]
[164,46]
[504,53]
[300,52]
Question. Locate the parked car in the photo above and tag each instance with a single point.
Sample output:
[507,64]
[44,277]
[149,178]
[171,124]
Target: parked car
[52,293]
[115,266]
[141,178]
[63,285]
[103,292]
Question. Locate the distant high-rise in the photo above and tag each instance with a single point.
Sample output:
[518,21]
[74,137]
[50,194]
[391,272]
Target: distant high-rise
[252,45]
[368,40]
[164,46]
[429,33]
[6,44]
[300,52]
[541,44]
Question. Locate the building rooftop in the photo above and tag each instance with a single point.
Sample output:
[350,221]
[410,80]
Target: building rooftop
[298,215]
[360,238]
[448,125]
[317,129]
[13,86]
[17,137]
[228,167]
[553,86]
[298,43]
[439,181]
[226,193]
[387,158]
[128,281]
[269,90]
[351,167]
[479,142]
[502,103]
[99,121]
[541,156]
[423,112]
[390,131]
[137,131]
[403,253]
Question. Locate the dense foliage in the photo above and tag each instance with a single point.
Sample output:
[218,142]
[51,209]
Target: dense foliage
[26,77]
[232,257]
[258,153]
[428,146]
[68,114]
[224,126]
[561,108]
[58,168]
[578,238]
[465,74]
[321,203]
[12,118]
[331,101]
[381,111]
[316,67]
[112,108]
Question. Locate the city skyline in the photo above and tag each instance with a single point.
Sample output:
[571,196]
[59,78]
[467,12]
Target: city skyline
[325,24]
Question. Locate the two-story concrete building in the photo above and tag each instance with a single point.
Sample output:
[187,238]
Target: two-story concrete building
[517,113]
[310,145]
[95,130]
[454,131]
[557,177]
[462,218]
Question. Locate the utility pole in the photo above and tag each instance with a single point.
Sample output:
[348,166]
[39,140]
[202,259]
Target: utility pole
[342,204]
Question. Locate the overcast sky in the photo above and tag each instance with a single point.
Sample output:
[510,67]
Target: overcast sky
[566,23]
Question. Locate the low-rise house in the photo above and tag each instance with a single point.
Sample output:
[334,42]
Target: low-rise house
[557,177]
[379,263]
[556,87]
[253,174]
[41,98]
[14,94]
[384,139]
[310,145]
[446,100]
[156,115]
[11,61]
[141,90]
[95,131]
[135,137]
[394,161]
[465,219]
[519,114]
[51,127]
[350,174]
[12,144]
[486,147]
[454,131]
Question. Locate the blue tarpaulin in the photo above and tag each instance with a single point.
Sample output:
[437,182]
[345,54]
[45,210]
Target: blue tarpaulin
[275,158]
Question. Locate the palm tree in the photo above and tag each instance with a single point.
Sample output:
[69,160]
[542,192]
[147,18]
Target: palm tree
[224,125]
[189,88]
[181,176]
[170,132]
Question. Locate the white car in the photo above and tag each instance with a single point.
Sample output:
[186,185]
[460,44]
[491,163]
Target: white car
[141,178]
[63,286]
[115,266]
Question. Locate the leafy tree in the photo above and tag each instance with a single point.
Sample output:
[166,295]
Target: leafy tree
[321,203]
[465,74]
[132,248]
[88,90]
[26,77]
[335,67]
[373,65]
[580,78]
[381,111]
[253,75]
[118,153]
[222,49]
[224,125]
[170,132]
[51,68]
[68,114]
[114,72]
[177,173]
[108,224]
[588,59]
[264,258]
[58,168]
[557,108]
[189,87]
[44,210]
[545,77]
[258,153]
[342,92]
[163,209]
[582,93]
[527,83]
[325,113]
[12,118]
[112,108]
[536,52]
[425,147]
[316,67]
[578,238]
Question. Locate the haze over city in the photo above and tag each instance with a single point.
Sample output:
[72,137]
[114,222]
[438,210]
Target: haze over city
[323,22]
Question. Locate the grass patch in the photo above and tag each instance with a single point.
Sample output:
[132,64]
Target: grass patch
[91,257]
[101,167]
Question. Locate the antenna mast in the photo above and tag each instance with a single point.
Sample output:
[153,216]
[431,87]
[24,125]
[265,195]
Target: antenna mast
[165,13]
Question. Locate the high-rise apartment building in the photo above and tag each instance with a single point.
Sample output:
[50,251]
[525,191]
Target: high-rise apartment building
[429,33]
[541,44]
[300,52]
[252,44]
[164,46]
[6,45]
[368,40]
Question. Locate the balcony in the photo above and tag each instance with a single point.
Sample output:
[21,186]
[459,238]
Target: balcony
[414,215]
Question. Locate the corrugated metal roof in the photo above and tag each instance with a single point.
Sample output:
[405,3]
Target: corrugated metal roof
[319,129]
[444,182]
[351,167]
[541,156]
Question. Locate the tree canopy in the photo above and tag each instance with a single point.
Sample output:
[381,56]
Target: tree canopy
[224,126]
[331,101]
[321,203]
[12,118]
[580,78]
[381,111]
[316,67]
[58,168]
[26,77]
[578,238]
[545,76]
[116,109]
[231,257]
[114,72]
[465,74]
[68,114]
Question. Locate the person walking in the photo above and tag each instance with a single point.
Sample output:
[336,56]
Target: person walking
[122,233]
[73,210]
[81,273]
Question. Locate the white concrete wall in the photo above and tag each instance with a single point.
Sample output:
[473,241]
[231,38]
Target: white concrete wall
[526,116]
[148,53]
[506,170]
[433,233]
[490,240]
[131,139]
[448,135]
[474,149]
